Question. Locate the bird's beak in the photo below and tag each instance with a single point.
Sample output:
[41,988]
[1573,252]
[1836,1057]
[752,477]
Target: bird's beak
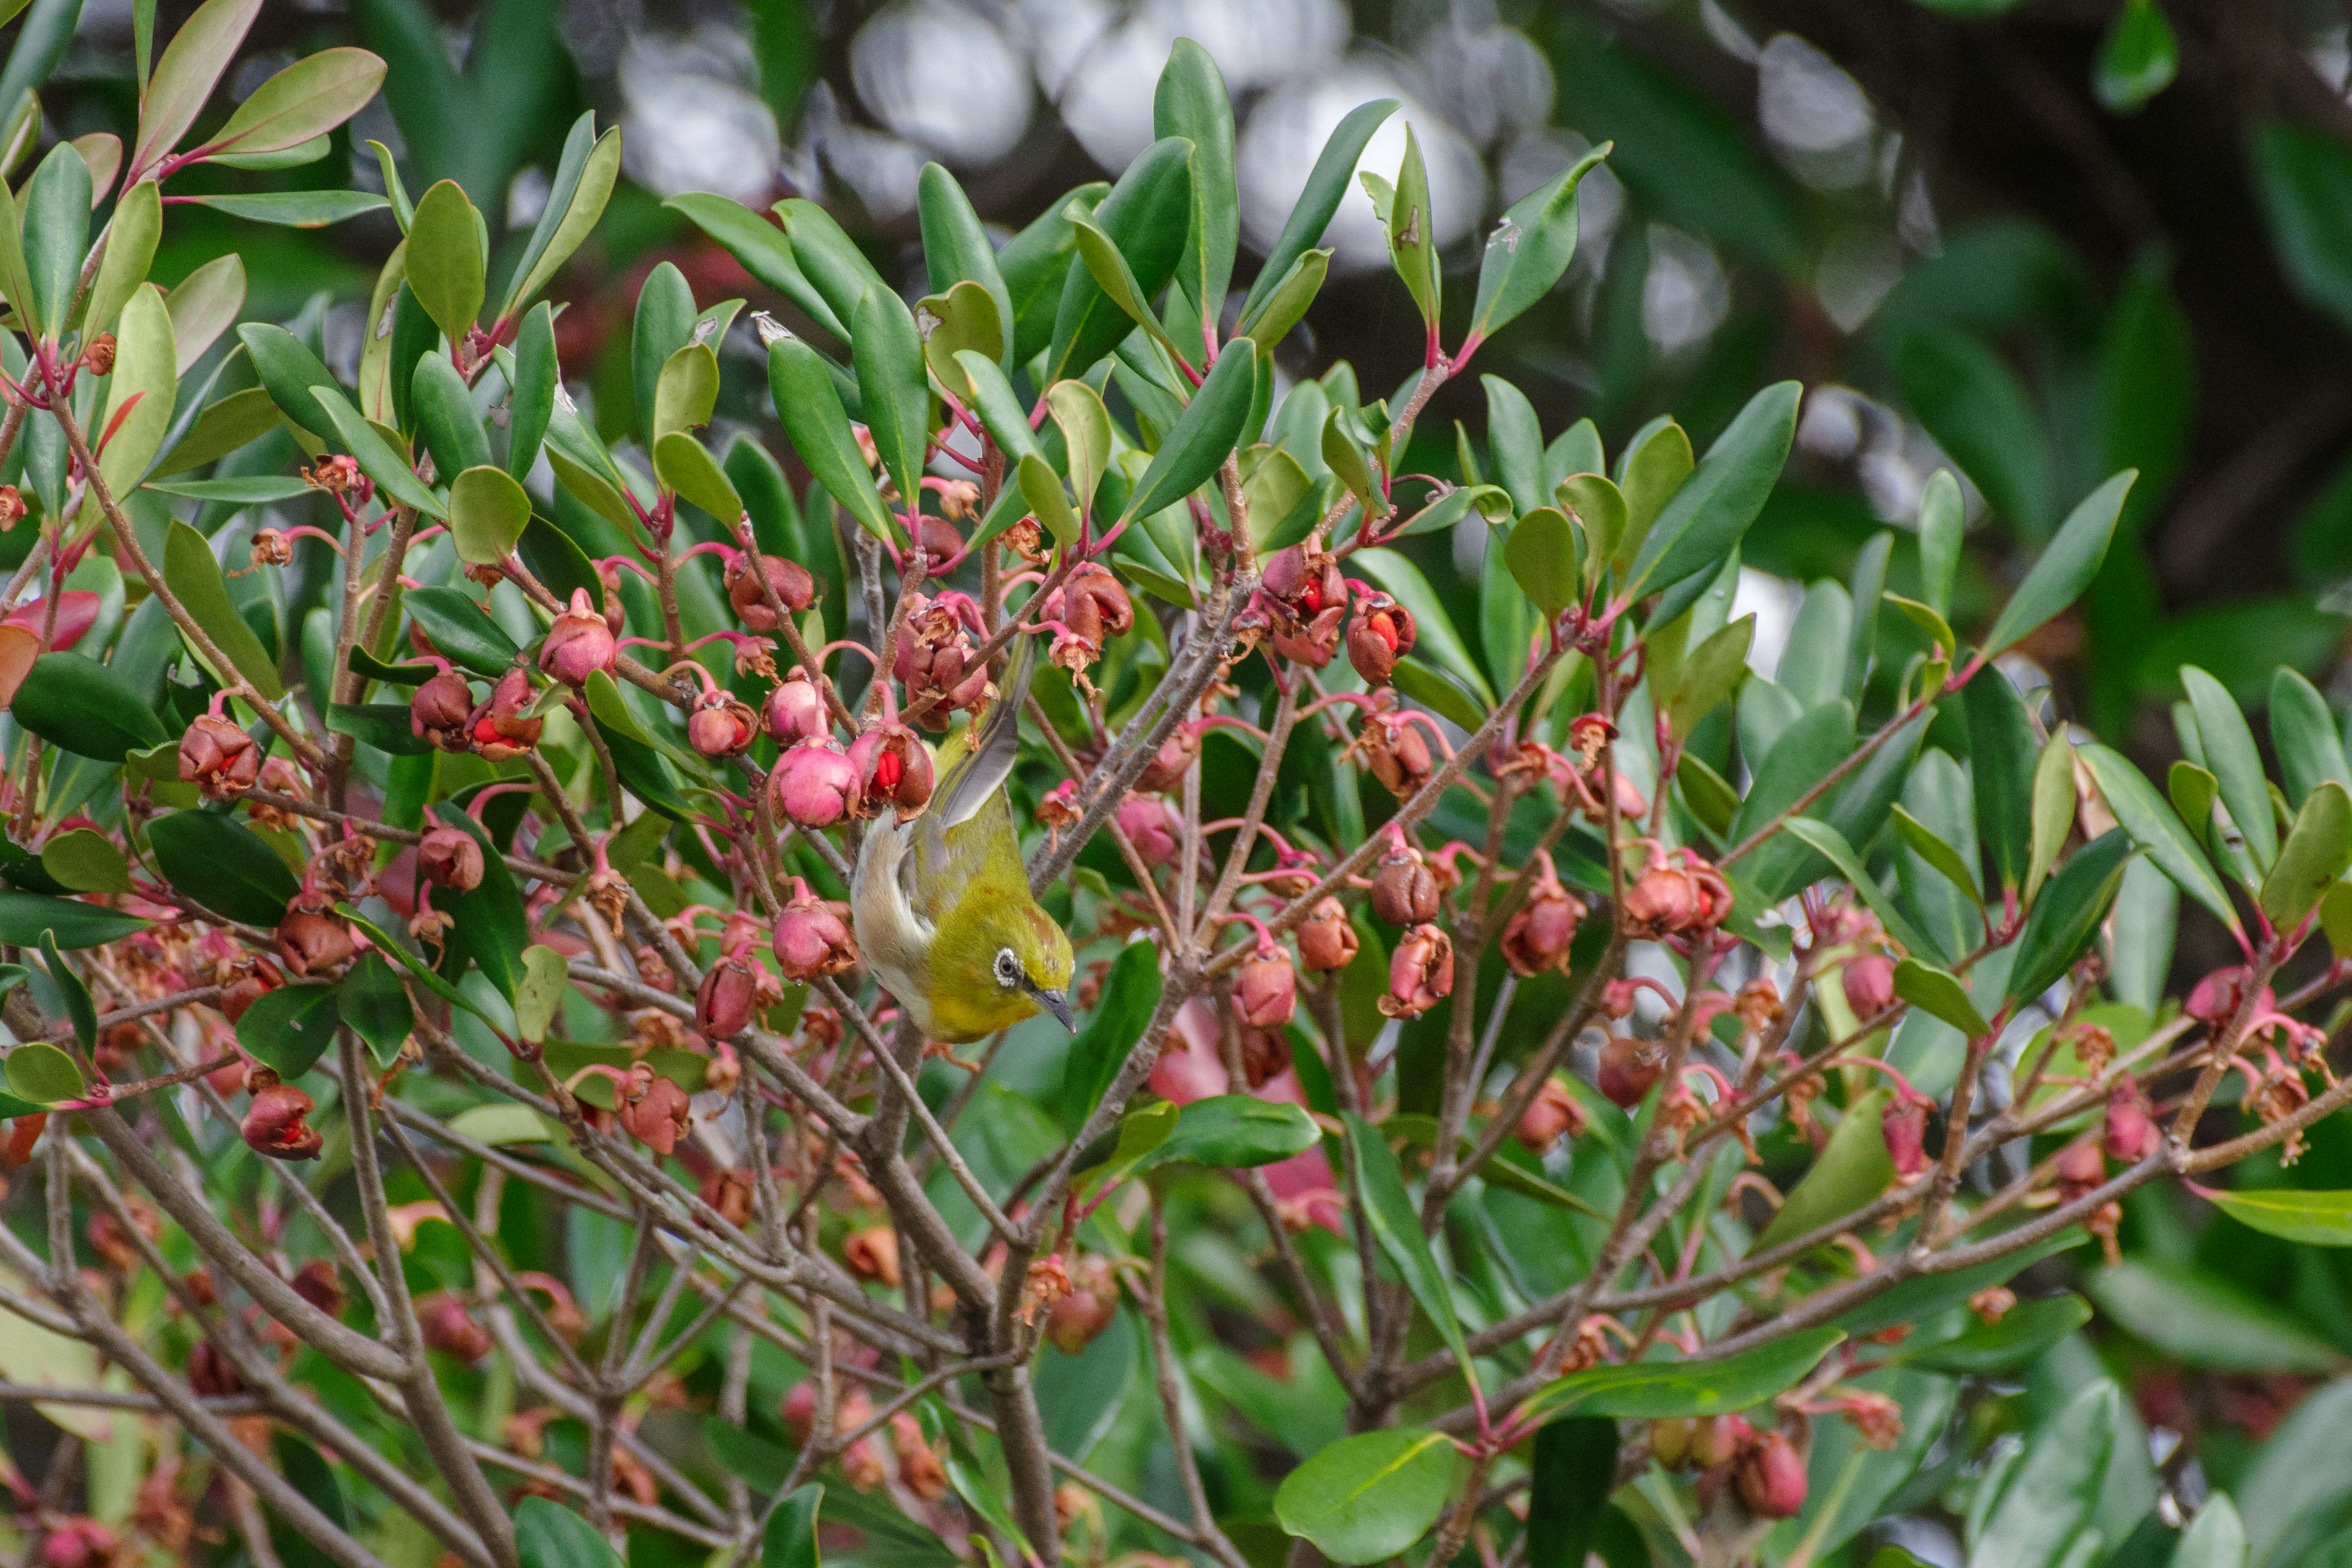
[1056,1003]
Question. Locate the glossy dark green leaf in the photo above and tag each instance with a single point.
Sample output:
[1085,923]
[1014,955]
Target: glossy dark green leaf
[2303,175]
[1515,441]
[1235,1131]
[70,922]
[1545,561]
[1571,1475]
[2003,752]
[762,250]
[2317,852]
[84,860]
[1410,222]
[2302,733]
[194,578]
[584,177]
[1204,438]
[549,1535]
[1916,1299]
[1365,1498]
[490,927]
[2155,827]
[956,247]
[1192,102]
[891,383]
[443,408]
[445,258]
[223,865]
[289,1028]
[2065,568]
[2055,1488]
[383,725]
[56,234]
[79,1006]
[828,256]
[1942,518]
[2236,763]
[288,370]
[92,709]
[790,1539]
[1801,753]
[537,375]
[460,629]
[2054,808]
[294,209]
[2292,1213]
[813,417]
[1389,1210]
[1035,262]
[372,1001]
[1130,995]
[1940,994]
[1318,200]
[2024,1333]
[1528,250]
[1851,1170]
[685,465]
[1147,216]
[1711,510]
[2066,917]
[1650,1390]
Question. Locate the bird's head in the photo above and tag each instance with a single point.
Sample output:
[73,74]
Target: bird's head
[998,961]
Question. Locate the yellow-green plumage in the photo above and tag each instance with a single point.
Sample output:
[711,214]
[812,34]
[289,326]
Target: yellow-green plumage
[942,905]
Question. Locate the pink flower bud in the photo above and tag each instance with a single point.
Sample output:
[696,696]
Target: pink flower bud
[1325,939]
[1150,827]
[579,643]
[1404,892]
[653,1110]
[449,1328]
[1551,1115]
[873,1253]
[1771,1476]
[2082,1168]
[1627,1071]
[795,710]
[438,711]
[1265,989]
[795,589]
[1377,639]
[1869,980]
[275,1122]
[1397,752]
[1904,1125]
[1421,973]
[313,943]
[721,725]
[81,1543]
[723,1002]
[451,858]
[1536,937]
[812,784]
[2215,1000]
[812,938]
[894,770]
[503,727]
[1171,762]
[217,757]
[1073,1321]
[2131,1134]
[1717,1440]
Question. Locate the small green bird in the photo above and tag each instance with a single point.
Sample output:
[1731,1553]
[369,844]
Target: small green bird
[942,905]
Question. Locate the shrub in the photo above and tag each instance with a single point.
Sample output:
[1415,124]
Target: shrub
[1605,1055]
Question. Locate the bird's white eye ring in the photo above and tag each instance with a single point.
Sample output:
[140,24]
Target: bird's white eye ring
[1008,967]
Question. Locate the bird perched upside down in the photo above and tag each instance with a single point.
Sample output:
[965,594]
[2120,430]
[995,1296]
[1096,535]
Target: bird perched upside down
[942,905]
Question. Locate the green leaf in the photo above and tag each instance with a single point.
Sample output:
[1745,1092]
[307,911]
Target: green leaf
[1192,101]
[2236,765]
[146,369]
[1412,231]
[686,392]
[1712,673]
[2055,1488]
[2054,809]
[1078,413]
[16,276]
[2024,1333]
[1130,995]
[185,76]
[1440,691]
[375,456]
[1916,1299]
[487,510]
[1599,507]
[956,249]
[582,185]
[1942,518]
[79,1006]
[1395,1222]
[1147,216]
[2207,1322]
[2137,59]
[39,1072]
[790,1539]
[1711,510]
[549,1535]
[1111,275]
[686,466]
[1544,558]
[2002,756]
[300,103]
[2064,569]
[1945,860]
[1852,1170]
[459,629]
[1035,263]
[964,319]
[2311,1219]
[1366,1498]
[2216,1538]
[1041,488]
[1530,249]
[1977,410]
[892,386]
[537,375]
[2154,827]
[372,1001]
[289,1028]
[539,999]
[1833,846]
[385,726]
[490,927]
[1435,636]
[295,209]
[444,259]
[85,861]
[259,489]
[1233,1131]
[223,865]
[1939,994]
[131,237]
[811,412]
[2303,730]
[1572,1474]
[1319,199]
[828,256]
[2303,177]
[1287,304]
[91,709]
[2318,851]
[194,578]
[1206,435]
[72,924]
[1650,1390]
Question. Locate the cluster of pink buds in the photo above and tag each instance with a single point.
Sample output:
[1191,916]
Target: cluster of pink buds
[935,656]
[1090,608]
[1765,1468]
[218,758]
[1678,894]
[788,580]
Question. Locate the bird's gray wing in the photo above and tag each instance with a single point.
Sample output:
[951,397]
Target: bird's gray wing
[988,755]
